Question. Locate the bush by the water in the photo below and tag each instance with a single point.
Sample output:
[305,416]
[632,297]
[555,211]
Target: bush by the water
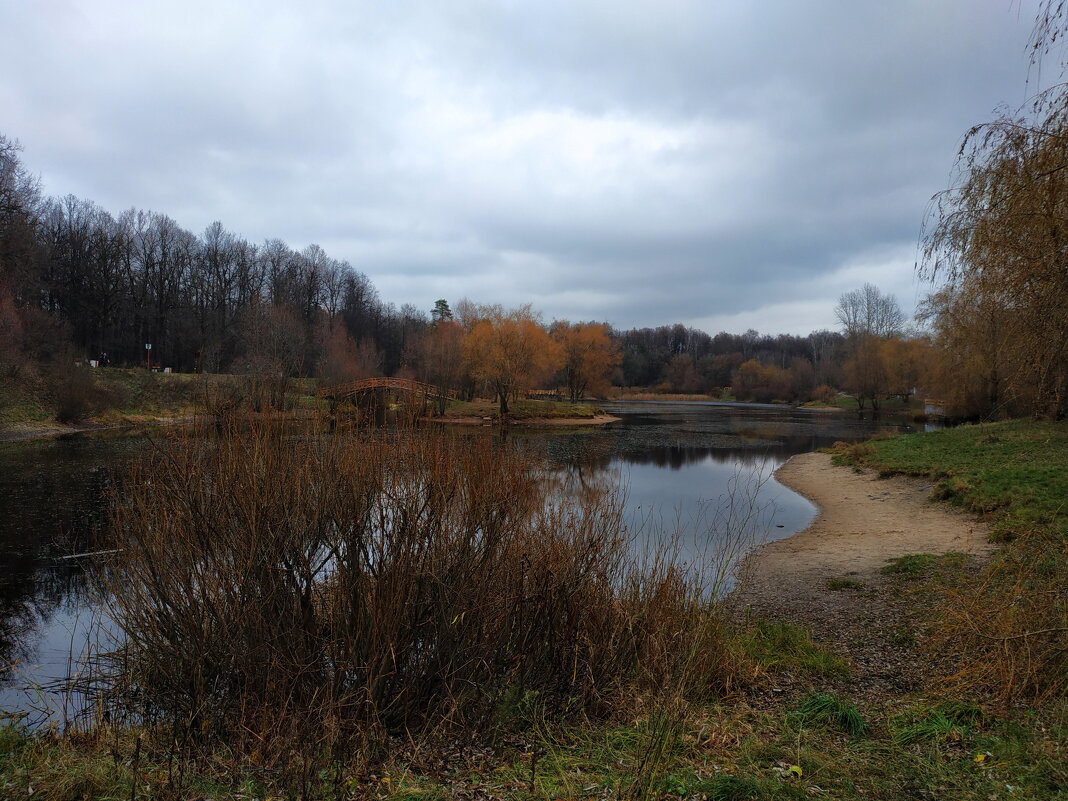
[320,595]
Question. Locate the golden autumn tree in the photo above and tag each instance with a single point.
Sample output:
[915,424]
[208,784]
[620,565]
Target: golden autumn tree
[588,355]
[509,350]
[907,364]
[972,359]
[997,242]
[1001,242]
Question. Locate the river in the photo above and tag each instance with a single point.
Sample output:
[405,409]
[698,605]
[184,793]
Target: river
[681,467]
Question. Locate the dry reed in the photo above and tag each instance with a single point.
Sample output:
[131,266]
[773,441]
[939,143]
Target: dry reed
[302,600]
[1005,630]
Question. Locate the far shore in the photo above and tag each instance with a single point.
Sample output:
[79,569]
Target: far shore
[22,432]
[528,422]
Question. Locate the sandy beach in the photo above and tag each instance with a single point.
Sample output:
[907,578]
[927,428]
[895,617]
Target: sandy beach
[863,522]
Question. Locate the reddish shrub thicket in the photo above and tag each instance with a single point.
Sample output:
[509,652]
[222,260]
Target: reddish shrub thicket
[334,590]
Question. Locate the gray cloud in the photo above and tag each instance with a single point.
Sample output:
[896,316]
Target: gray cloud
[643,163]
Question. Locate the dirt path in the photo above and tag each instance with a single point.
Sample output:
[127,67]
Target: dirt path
[863,522]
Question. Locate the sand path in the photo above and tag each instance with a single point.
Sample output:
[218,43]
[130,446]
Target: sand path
[863,522]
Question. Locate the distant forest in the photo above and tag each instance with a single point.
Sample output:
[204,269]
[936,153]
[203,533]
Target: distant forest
[87,282]
[78,283]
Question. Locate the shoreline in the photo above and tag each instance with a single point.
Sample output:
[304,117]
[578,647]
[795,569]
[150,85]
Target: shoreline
[530,422]
[862,523]
[829,578]
[26,433]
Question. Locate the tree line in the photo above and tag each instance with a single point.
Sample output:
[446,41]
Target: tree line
[78,282]
[75,279]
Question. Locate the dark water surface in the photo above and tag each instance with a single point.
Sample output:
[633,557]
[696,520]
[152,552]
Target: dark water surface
[684,467]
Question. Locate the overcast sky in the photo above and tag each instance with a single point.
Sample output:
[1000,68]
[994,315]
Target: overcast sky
[722,164]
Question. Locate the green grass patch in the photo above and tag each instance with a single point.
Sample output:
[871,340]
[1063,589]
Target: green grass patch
[780,646]
[1017,469]
[522,409]
[885,405]
[911,565]
[827,709]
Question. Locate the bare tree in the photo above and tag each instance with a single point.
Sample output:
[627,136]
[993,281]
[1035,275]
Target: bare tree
[19,200]
[19,190]
[867,311]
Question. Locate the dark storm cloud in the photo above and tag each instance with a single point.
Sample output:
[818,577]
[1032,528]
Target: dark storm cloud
[720,164]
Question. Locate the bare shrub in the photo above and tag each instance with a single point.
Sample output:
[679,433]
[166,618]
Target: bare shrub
[222,400]
[11,335]
[320,595]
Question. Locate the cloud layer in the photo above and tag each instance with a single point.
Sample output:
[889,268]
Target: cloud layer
[726,165]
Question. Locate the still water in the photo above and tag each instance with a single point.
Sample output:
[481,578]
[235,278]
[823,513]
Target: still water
[680,467]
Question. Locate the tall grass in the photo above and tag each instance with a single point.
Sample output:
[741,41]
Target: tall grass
[305,602]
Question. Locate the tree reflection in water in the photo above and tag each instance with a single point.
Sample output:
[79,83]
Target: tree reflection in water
[52,504]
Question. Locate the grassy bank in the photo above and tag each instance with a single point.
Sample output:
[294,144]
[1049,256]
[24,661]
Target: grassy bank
[1006,628]
[895,405]
[1016,471]
[651,394]
[81,397]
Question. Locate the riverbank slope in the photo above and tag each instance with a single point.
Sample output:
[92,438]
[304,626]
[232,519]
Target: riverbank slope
[829,577]
[859,710]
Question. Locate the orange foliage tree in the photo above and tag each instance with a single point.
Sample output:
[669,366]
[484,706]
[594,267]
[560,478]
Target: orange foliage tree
[588,355]
[907,365]
[509,350]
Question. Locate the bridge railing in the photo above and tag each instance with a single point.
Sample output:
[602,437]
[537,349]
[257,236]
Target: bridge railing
[368,384]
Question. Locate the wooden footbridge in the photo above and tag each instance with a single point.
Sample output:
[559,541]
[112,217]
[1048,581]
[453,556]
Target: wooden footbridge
[353,389]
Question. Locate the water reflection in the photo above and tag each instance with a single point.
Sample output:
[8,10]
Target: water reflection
[52,505]
[680,467]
